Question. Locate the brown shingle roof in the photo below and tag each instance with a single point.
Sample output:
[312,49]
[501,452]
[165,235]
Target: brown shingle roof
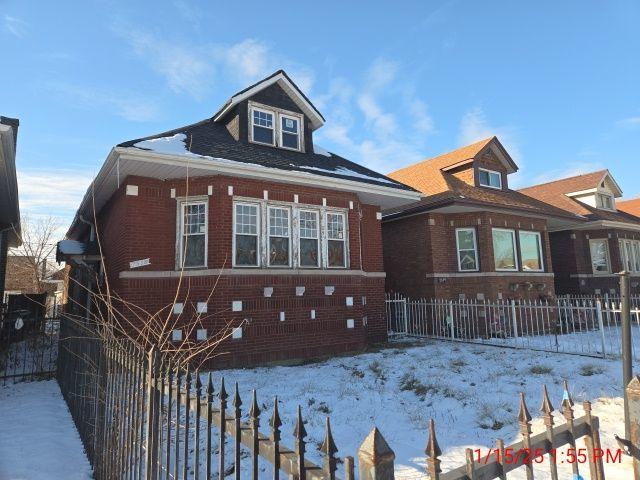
[630,206]
[555,193]
[444,188]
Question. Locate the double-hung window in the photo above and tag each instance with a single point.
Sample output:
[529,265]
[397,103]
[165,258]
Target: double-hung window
[289,132]
[262,126]
[599,249]
[309,238]
[246,234]
[467,249]
[336,240]
[605,201]
[504,249]
[193,234]
[630,255]
[279,236]
[531,251]
[490,178]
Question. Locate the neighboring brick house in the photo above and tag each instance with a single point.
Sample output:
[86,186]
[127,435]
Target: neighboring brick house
[23,286]
[471,236]
[288,233]
[9,206]
[587,257]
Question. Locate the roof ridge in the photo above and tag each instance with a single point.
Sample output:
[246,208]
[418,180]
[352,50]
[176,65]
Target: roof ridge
[560,180]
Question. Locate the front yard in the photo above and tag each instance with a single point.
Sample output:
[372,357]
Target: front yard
[471,391]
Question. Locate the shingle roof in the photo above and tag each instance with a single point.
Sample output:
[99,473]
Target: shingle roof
[211,139]
[444,188]
[631,206]
[555,193]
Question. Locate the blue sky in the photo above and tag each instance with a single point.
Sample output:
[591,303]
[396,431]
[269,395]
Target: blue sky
[558,82]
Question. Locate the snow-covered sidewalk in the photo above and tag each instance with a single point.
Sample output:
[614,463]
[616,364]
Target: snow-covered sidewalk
[38,439]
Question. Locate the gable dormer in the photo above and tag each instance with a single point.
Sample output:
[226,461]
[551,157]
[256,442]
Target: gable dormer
[273,113]
[600,195]
[488,167]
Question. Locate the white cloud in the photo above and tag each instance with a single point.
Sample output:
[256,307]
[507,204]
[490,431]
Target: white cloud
[630,122]
[56,192]
[15,26]
[123,104]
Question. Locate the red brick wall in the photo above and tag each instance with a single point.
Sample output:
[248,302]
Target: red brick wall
[417,247]
[144,226]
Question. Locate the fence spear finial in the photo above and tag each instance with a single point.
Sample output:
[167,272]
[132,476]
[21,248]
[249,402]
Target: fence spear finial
[275,422]
[198,384]
[523,414]
[299,432]
[329,449]
[209,386]
[237,402]
[432,450]
[567,401]
[222,394]
[546,406]
[254,411]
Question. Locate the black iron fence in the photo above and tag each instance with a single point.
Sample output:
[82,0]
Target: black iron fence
[28,347]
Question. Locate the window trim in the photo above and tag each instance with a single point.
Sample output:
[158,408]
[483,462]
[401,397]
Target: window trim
[634,245]
[475,249]
[489,172]
[515,250]
[290,116]
[289,237]
[327,239]
[600,204]
[607,252]
[540,249]
[257,234]
[318,238]
[180,204]
[274,116]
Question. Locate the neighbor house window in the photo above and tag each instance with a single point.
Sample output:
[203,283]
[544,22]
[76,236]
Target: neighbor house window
[531,251]
[467,249]
[279,236]
[309,238]
[336,240]
[490,178]
[599,255]
[289,132]
[262,125]
[604,201]
[246,228]
[193,234]
[630,255]
[504,249]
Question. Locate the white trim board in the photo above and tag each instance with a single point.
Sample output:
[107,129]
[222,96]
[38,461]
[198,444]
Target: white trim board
[246,272]
[490,274]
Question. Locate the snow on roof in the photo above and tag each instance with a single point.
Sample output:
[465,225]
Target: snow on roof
[173,145]
[321,151]
[71,247]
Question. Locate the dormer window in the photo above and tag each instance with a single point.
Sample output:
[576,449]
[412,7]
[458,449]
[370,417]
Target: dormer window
[605,201]
[489,178]
[262,126]
[275,127]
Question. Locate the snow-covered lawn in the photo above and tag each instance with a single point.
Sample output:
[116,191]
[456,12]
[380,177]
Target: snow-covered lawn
[38,439]
[471,391]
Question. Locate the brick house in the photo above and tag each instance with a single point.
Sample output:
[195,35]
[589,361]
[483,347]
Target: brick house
[586,257]
[471,236]
[289,234]
[9,206]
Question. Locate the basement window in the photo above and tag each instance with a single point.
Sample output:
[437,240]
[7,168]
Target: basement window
[490,178]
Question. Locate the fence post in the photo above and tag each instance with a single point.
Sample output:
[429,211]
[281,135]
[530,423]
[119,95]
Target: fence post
[601,327]
[375,458]
[452,325]
[406,315]
[514,319]
[151,419]
[625,318]
[633,395]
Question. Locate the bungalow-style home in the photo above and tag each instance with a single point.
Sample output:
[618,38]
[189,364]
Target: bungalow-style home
[9,206]
[631,206]
[471,237]
[251,223]
[587,257]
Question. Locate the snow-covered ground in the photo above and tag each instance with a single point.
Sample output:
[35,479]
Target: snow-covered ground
[38,439]
[471,391]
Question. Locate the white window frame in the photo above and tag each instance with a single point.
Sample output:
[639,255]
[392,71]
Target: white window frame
[490,172]
[290,116]
[258,233]
[600,203]
[540,249]
[607,253]
[318,237]
[475,249]
[634,245]
[273,128]
[289,237]
[515,250]
[327,239]
[181,204]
